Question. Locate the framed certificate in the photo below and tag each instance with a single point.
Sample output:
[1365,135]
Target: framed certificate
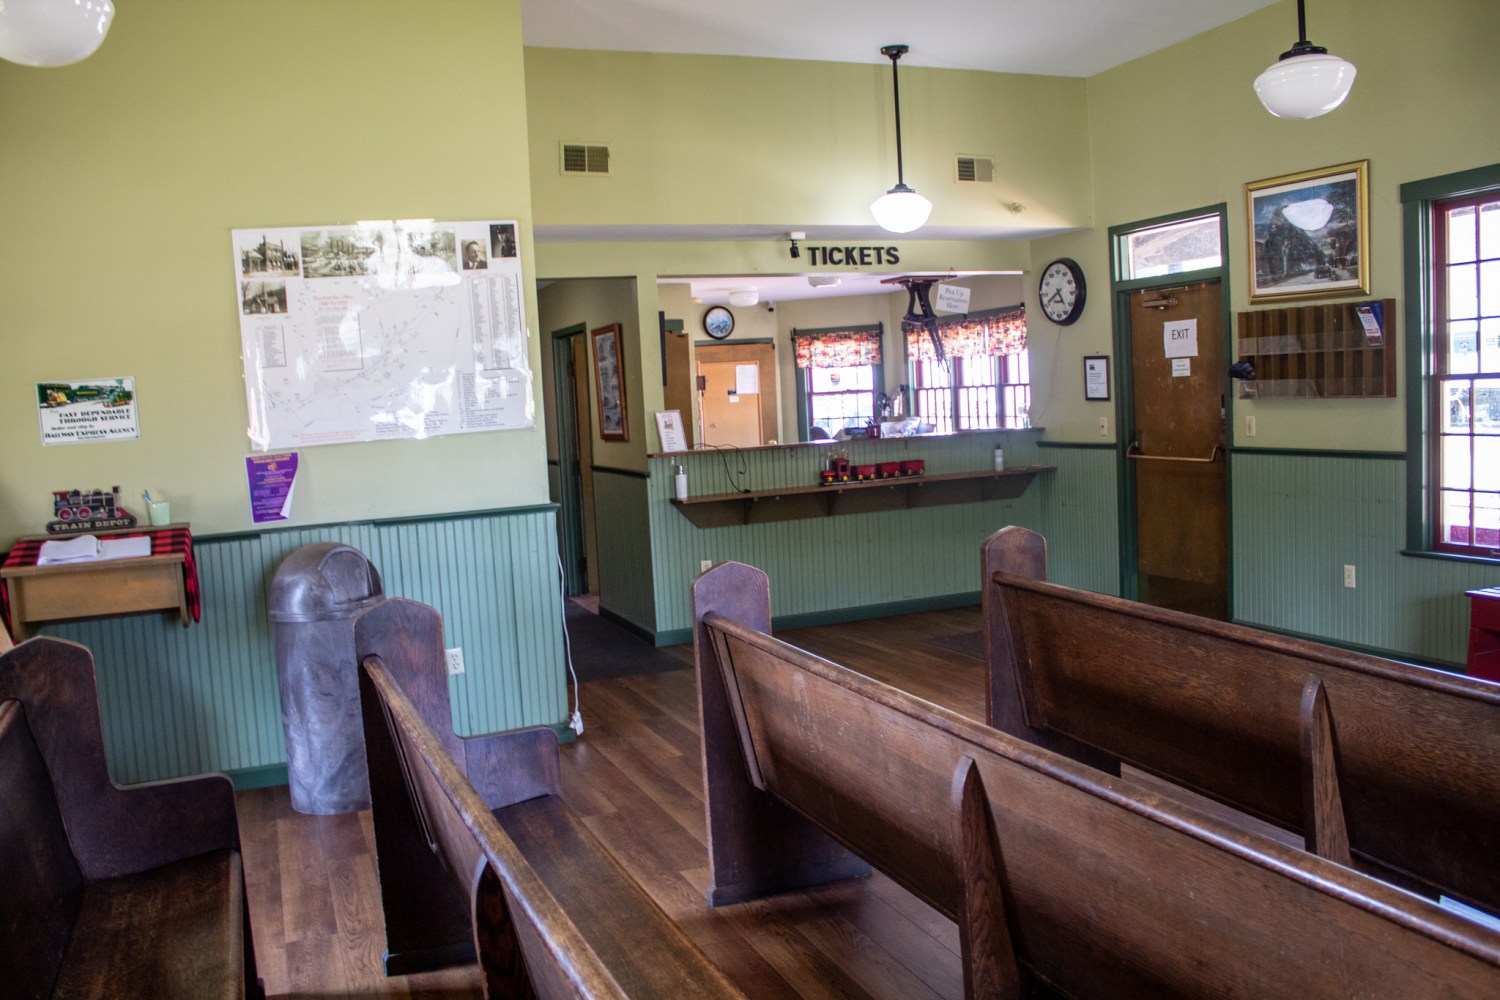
[1096,377]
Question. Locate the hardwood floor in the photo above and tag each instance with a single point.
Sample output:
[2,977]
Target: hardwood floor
[635,778]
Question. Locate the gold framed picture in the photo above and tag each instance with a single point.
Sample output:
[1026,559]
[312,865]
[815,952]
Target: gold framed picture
[1309,233]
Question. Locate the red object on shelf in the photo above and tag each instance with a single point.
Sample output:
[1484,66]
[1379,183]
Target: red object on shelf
[864,472]
[888,470]
[913,466]
[1484,634]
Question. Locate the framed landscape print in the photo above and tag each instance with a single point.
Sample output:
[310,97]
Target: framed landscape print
[1310,233]
[609,382]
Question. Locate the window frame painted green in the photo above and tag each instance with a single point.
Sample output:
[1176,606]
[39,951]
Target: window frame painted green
[1418,200]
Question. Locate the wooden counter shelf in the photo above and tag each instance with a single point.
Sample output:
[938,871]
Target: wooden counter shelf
[103,588]
[793,503]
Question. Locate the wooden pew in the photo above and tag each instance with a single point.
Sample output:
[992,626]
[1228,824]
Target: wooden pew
[1060,877]
[1393,766]
[472,838]
[133,892]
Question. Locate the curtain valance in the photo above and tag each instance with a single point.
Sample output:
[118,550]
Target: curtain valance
[991,333]
[837,348]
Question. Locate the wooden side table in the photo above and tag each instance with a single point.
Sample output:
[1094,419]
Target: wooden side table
[72,591]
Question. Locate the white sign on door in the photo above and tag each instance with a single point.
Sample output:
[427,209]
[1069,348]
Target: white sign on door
[1180,338]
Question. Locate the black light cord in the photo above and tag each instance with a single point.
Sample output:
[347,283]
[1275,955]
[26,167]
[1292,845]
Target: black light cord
[721,449]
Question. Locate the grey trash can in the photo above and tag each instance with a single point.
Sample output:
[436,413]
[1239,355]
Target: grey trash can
[315,595]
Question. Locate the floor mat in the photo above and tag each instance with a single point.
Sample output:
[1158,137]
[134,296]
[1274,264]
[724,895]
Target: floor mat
[603,650]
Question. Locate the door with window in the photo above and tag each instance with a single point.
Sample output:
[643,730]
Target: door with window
[1177,464]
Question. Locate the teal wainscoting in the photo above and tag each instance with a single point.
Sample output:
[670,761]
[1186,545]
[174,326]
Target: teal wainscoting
[624,547]
[181,701]
[852,565]
[1079,505]
[1298,519]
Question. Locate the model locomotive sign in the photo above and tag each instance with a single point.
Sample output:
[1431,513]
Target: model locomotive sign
[87,510]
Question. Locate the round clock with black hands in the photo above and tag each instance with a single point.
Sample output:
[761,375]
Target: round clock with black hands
[718,322]
[1062,291]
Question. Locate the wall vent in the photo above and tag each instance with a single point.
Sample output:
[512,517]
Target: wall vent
[979,169]
[585,158]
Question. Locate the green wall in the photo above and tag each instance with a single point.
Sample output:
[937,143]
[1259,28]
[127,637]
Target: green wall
[123,176]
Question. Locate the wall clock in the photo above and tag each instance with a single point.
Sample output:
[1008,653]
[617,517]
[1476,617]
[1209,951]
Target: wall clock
[1062,291]
[718,322]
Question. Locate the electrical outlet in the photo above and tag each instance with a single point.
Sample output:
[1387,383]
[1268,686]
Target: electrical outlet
[455,660]
[1250,427]
[1349,577]
[1104,427]
[705,565]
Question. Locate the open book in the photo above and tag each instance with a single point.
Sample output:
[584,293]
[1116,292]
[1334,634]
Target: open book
[87,548]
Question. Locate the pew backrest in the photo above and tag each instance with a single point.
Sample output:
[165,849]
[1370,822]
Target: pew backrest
[1106,892]
[1393,764]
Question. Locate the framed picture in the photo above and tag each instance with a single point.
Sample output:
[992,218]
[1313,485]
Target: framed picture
[1310,233]
[609,383]
[1096,377]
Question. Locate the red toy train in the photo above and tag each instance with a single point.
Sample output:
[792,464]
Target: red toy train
[80,510]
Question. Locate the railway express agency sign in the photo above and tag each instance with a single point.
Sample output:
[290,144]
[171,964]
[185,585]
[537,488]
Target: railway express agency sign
[101,409]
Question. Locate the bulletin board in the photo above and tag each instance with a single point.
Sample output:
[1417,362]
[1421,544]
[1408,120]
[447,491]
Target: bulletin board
[382,330]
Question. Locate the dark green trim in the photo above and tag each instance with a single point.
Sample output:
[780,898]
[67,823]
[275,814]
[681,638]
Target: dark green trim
[1374,456]
[267,776]
[1115,232]
[781,623]
[633,473]
[815,331]
[1416,242]
[673,637]
[1452,557]
[632,627]
[1384,654]
[1454,185]
[239,536]
[735,342]
[569,388]
[1084,445]
[564,732]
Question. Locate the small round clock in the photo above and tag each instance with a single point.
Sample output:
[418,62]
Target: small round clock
[1062,291]
[718,322]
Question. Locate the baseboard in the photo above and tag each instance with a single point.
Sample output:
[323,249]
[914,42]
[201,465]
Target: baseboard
[834,616]
[269,776]
[1384,654]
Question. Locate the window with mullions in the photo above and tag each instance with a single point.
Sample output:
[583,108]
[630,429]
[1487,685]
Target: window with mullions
[840,372]
[1465,338]
[986,382]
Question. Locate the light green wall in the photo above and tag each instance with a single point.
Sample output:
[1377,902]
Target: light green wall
[705,139]
[598,303]
[1182,129]
[123,176]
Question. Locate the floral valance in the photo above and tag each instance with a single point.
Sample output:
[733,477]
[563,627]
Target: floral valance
[977,335]
[837,348]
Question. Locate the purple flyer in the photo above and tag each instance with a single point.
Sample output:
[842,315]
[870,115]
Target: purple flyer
[271,480]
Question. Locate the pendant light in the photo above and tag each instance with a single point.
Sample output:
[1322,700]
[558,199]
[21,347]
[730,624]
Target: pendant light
[1306,81]
[899,210]
[52,32]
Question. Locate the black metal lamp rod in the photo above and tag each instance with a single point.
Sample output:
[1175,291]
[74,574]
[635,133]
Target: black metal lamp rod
[894,53]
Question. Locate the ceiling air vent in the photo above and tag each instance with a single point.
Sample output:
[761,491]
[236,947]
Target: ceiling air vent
[584,158]
[980,169]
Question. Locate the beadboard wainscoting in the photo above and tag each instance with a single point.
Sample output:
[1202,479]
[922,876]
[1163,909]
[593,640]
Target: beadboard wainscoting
[181,701]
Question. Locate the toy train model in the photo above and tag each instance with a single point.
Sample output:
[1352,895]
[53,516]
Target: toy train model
[76,511]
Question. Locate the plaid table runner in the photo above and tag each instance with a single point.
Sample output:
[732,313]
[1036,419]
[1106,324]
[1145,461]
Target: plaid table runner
[164,541]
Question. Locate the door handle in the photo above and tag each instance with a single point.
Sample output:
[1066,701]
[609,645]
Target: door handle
[1134,453]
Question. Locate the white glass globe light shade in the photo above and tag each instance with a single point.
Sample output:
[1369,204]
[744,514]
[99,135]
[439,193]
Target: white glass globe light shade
[901,210]
[742,297]
[1305,86]
[52,32]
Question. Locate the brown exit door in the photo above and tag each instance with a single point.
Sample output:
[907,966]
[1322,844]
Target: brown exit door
[1176,449]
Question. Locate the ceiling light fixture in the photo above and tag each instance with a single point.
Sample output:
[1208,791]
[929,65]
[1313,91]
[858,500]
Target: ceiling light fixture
[1306,81]
[899,210]
[744,297]
[823,280]
[52,33]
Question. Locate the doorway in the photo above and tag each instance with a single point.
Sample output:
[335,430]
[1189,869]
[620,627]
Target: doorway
[1176,474]
[737,394]
[575,472]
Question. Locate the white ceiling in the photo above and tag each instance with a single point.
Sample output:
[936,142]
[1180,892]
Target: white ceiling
[1048,37]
